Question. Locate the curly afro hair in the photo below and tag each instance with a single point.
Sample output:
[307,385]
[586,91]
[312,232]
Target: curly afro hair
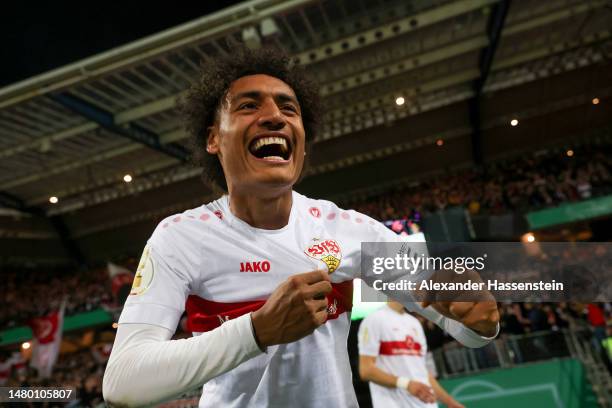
[201,103]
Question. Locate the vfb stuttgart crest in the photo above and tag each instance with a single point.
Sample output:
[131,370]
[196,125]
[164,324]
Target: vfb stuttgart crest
[327,251]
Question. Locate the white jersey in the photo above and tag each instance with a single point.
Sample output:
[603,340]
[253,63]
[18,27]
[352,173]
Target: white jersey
[217,267]
[398,342]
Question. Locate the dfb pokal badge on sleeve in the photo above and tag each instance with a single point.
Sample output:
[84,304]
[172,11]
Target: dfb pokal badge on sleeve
[144,273]
[326,250]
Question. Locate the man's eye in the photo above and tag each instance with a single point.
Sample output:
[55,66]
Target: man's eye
[248,105]
[289,107]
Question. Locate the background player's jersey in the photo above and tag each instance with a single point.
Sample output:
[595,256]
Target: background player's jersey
[398,342]
[217,267]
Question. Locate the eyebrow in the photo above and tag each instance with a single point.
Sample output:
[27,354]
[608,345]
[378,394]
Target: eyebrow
[278,97]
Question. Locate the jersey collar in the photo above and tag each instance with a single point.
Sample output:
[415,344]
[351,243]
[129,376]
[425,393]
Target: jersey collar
[238,223]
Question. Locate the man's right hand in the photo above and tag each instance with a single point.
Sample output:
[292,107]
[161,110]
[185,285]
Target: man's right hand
[294,310]
[422,391]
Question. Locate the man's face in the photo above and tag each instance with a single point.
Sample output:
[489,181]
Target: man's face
[259,135]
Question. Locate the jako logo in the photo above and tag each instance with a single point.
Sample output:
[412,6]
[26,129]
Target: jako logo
[262,266]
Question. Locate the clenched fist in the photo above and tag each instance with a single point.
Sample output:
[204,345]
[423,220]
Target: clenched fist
[294,310]
[476,309]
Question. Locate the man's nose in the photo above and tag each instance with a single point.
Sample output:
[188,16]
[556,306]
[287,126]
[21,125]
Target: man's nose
[271,117]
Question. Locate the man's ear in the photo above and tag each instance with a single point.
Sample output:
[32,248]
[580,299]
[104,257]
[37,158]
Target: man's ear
[212,140]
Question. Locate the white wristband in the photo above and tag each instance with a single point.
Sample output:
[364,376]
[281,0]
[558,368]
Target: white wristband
[402,382]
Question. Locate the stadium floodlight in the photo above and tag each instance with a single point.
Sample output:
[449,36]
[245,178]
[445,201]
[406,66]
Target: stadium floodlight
[251,38]
[127,178]
[53,200]
[268,27]
[528,237]
[45,145]
[25,345]
[514,122]
[399,101]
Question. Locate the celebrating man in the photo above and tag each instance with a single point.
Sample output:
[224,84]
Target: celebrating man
[264,273]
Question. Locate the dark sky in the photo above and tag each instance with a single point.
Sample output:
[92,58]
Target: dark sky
[38,36]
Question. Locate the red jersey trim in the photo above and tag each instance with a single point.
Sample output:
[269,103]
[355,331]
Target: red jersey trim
[400,347]
[205,315]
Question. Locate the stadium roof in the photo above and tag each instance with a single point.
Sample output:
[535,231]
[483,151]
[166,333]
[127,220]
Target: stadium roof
[464,68]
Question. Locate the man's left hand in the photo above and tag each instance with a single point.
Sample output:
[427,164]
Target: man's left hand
[475,309]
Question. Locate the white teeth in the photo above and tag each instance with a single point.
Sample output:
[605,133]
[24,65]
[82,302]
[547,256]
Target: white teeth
[274,158]
[264,141]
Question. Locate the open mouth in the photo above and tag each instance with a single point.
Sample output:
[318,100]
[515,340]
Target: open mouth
[271,148]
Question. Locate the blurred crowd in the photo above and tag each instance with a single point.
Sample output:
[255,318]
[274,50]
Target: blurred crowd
[541,180]
[81,371]
[29,295]
[530,332]
[523,318]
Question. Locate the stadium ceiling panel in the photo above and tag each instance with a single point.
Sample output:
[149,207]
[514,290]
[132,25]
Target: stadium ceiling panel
[364,53]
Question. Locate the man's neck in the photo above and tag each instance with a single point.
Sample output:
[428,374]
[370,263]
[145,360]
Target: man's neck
[396,306]
[262,212]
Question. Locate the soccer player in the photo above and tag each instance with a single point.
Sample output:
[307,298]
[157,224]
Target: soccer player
[264,273]
[392,357]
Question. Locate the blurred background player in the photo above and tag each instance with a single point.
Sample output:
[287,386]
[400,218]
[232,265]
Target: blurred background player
[392,357]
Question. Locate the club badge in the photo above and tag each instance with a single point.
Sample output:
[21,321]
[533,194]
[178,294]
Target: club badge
[326,250]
